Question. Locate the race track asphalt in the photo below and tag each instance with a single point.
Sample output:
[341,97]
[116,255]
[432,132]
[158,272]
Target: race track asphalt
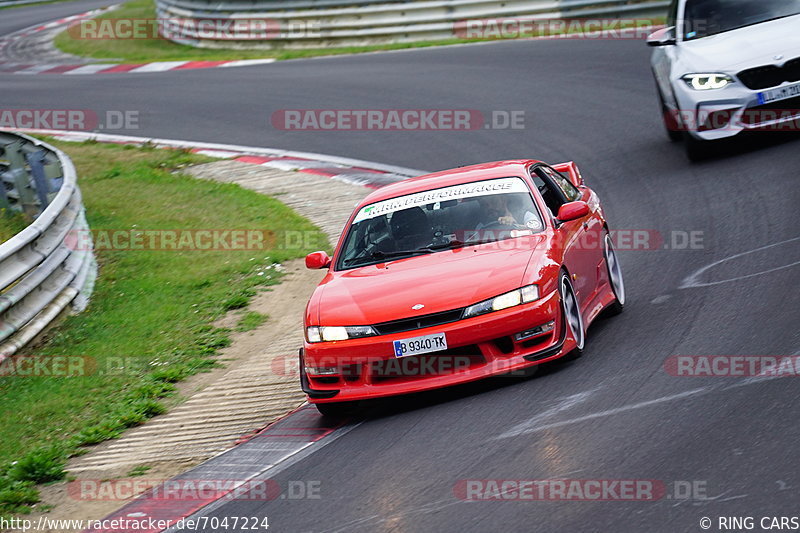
[615,413]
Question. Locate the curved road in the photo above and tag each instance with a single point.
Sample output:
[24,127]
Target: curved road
[614,414]
[19,18]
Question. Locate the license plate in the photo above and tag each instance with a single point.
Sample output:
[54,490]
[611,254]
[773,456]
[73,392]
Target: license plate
[418,345]
[773,95]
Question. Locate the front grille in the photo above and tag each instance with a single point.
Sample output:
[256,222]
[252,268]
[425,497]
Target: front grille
[418,322]
[787,108]
[767,76]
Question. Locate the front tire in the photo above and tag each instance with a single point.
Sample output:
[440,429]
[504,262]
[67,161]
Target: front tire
[336,410]
[571,312]
[671,124]
[696,150]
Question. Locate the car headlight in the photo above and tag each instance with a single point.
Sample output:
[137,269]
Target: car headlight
[523,295]
[705,82]
[337,333]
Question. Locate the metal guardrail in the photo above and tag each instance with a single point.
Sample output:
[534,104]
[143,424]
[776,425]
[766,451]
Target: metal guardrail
[325,23]
[41,269]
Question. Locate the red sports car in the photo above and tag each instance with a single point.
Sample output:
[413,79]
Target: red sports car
[455,276]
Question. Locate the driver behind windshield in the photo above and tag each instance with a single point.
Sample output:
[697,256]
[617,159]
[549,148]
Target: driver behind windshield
[410,228]
[499,210]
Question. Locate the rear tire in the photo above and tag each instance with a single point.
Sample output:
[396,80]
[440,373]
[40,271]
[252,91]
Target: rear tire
[615,278]
[571,313]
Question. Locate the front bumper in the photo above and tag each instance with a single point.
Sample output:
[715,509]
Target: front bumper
[478,347]
[721,113]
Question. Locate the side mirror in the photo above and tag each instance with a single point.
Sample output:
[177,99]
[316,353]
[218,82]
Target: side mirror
[317,260]
[662,37]
[572,211]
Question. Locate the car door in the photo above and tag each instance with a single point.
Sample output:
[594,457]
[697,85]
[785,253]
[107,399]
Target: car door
[574,235]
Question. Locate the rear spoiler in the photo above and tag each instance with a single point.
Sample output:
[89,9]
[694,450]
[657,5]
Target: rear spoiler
[571,170]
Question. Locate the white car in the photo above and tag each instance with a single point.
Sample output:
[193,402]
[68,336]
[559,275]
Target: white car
[727,66]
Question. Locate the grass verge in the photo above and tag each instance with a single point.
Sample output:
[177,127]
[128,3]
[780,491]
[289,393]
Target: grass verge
[250,321]
[149,324]
[156,49]
[11,223]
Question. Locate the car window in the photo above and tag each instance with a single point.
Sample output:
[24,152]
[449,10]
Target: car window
[570,191]
[440,219]
[710,17]
[552,195]
[672,14]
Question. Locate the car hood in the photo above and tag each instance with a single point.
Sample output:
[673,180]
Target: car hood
[440,281]
[743,48]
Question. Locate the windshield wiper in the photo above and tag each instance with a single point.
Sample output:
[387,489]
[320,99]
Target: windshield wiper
[455,243]
[379,254]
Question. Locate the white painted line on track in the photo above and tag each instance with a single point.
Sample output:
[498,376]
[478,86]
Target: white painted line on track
[247,62]
[90,69]
[222,154]
[532,425]
[693,280]
[159,66]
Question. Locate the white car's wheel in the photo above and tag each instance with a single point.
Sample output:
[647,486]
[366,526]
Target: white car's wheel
[696,149]
[671,124]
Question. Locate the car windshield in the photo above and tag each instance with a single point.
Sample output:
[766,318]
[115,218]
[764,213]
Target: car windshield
[440,219]
[710,17]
